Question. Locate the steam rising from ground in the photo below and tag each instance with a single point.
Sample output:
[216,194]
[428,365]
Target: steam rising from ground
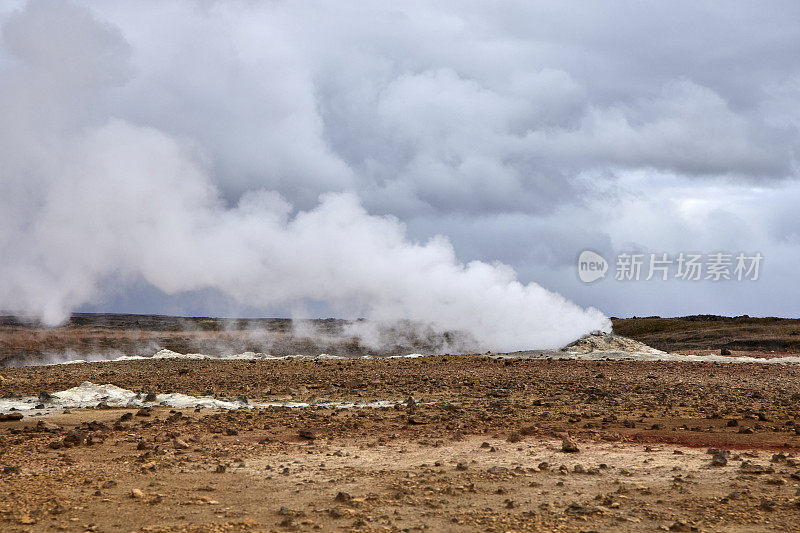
[90,203]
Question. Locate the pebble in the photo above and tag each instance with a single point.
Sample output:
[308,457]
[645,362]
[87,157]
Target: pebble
[307,433]
[43,425]
[73,438]
[569,446]
[719,460]
[515,437]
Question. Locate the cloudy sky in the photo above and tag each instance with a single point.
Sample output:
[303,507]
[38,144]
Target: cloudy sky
[513,132]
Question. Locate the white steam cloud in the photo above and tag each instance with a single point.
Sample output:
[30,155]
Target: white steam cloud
[90,202]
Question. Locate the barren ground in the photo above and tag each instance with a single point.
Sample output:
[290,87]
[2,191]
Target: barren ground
[110,335]
[480,451]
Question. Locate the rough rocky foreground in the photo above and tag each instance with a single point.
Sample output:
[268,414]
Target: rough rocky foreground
[475,444]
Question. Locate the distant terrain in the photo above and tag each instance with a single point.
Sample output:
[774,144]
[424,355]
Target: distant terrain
[711,333]
[88,335]
[107,335]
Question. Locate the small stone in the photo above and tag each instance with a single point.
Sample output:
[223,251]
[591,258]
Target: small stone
[342,497]
[767,505]
[717,451]
[569,446]
[137,494]
[179,444]
[751,468]
[73,438]
[307,433]
[47,426]
[719,460]
[515,437]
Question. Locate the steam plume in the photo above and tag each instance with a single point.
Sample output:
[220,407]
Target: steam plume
[89,202]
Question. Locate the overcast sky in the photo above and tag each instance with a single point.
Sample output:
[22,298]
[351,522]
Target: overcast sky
[523,132]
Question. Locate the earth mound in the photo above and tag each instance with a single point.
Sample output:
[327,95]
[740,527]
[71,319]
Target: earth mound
[598,341]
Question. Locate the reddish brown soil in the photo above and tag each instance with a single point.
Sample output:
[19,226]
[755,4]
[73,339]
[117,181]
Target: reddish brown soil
[642,430]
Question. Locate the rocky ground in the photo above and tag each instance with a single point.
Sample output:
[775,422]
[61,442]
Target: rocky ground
[473,444]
